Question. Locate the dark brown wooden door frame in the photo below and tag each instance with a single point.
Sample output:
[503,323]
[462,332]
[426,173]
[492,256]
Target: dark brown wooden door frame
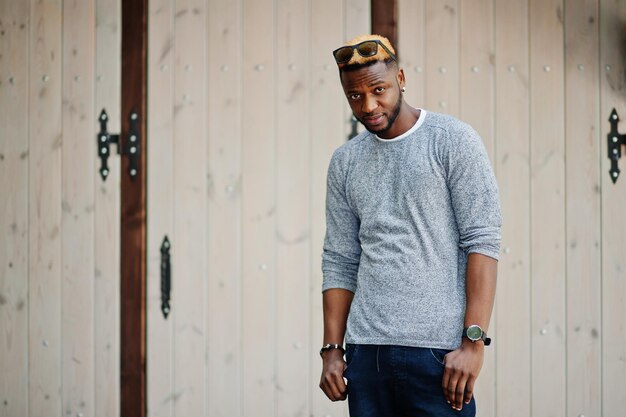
[133,214]
[384,16]
[133,197]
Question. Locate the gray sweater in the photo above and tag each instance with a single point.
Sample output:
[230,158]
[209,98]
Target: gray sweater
[401,217]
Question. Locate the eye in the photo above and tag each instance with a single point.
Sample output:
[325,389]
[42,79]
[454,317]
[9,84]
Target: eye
[379,90]
[354,96]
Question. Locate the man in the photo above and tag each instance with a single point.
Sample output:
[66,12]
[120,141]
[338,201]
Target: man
[410,253]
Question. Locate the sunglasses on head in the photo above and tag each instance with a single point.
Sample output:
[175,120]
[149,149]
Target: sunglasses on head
[365,49]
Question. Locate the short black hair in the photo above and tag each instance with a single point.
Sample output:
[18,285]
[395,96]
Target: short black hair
[353,67]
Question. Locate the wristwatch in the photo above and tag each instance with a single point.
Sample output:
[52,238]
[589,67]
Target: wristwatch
[330,346]
[474,333]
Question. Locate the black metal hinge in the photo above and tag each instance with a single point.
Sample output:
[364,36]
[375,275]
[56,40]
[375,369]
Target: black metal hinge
[166,277]
[132,148]
[615,142]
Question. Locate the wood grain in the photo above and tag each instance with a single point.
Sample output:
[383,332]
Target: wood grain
[327,104]
[512,348]
[442,56]
[190,183]
[78,179]
[14,179]
[412,48]
[133,216]
[107,216]
[583,214]
[477,106]
[160,202]
[44,188]
[612,95]
[224,220]
[259,209]
[293,206]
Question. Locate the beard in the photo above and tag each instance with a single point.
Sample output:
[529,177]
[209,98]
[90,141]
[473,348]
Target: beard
[391,119]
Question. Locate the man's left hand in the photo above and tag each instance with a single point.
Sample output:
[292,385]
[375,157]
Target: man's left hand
[462,367]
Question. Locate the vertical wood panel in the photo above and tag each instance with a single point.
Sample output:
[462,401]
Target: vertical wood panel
[547,207]
[442,56]
[44,325]
[476,102]
[189,250]
[107,216]
[512,165]
[14,231]
[357,18]
[411,48]
[160,187]
[224,209]
[583,215]
[613,95]
[385,19]
[326,127]
[293,230]
[356,22]
[258,209]
[79,170]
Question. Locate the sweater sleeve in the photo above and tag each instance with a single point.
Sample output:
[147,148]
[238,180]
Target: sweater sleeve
[342,249]
[474,194]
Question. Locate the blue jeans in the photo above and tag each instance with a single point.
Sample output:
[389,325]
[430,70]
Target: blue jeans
[398,381]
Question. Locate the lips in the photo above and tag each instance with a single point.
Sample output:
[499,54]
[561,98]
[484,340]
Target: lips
[374,120]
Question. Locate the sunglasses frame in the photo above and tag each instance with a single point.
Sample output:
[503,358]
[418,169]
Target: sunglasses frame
[353,47]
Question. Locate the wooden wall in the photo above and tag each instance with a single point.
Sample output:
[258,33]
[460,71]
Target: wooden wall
[59,223]
[245,111]
[538,80]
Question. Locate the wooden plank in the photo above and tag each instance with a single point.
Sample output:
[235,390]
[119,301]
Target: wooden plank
[258,210]
[613,67]
[224,209]
[583,214]
[442,56]
[160,201]
[107,216]
[189,246]
[44,315]
[411,48]
[293,229]
[357,18]
[14,180]
[133,215]
[78,171]
[547,198]
[357,21]
[477,97]
[512,348]
[384,15]
[327,104]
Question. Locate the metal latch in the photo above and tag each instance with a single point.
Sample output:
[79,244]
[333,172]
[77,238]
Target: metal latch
[166,277]
[132,148]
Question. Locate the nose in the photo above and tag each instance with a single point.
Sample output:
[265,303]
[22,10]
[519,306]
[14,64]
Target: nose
[369,104]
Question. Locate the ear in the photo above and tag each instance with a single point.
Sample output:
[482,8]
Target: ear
[400,77]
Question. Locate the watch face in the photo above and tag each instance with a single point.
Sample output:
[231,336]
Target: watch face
[474,333]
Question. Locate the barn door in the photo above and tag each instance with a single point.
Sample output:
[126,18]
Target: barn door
[245,109]
[59,221]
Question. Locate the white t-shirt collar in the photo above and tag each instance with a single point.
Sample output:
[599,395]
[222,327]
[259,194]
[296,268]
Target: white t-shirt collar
[413,128]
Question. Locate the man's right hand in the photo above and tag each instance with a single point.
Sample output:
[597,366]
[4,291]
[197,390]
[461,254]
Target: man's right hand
[332,382]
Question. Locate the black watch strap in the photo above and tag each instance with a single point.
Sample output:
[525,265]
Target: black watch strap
[330,346]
